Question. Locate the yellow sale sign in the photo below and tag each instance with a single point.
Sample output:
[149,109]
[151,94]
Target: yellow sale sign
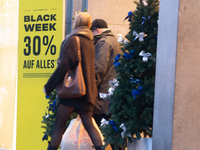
[40,35]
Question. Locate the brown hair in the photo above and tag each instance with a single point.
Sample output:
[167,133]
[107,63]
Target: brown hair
[82,19]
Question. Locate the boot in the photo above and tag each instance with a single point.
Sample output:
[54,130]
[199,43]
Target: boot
[51,148]
[99,148]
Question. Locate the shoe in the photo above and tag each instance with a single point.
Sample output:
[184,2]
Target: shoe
[99,148]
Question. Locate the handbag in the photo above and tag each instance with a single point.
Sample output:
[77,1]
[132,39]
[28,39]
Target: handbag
[73,85]
[76,137]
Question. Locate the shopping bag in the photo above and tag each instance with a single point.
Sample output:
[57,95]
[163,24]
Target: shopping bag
[76,137]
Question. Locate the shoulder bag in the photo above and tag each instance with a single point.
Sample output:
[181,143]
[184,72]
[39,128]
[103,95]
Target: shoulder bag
[73,85]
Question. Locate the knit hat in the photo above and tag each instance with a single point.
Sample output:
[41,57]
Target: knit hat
[98,23]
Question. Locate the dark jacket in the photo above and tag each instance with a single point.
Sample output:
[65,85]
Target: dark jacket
[106,48]
[69,60]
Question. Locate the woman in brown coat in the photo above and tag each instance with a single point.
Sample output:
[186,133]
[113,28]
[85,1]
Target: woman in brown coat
[69,60]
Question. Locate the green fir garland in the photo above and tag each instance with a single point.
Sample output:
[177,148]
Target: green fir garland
[50,116]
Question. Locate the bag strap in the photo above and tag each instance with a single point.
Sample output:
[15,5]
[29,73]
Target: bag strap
[78,44]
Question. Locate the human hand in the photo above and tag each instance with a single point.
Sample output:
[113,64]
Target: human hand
[44,91]
[58,62]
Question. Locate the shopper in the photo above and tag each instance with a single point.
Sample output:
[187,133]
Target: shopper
[69,60]
[106,48]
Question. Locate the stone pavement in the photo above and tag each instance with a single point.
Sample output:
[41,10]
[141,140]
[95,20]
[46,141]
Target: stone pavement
[109,148]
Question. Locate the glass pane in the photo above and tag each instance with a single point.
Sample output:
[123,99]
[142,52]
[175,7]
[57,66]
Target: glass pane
[8,68]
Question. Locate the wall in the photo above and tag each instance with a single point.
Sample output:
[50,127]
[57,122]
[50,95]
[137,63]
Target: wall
[176,108]
[186,126]
[112,11]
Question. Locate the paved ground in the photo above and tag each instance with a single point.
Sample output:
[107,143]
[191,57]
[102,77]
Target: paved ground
[109,148]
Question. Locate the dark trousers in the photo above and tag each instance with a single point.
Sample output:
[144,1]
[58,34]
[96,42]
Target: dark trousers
[98,118]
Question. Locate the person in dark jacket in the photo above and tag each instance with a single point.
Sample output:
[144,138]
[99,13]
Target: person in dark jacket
[69,60]
[106,48]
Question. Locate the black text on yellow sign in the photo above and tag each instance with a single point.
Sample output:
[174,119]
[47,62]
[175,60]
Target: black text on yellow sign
[33,45]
